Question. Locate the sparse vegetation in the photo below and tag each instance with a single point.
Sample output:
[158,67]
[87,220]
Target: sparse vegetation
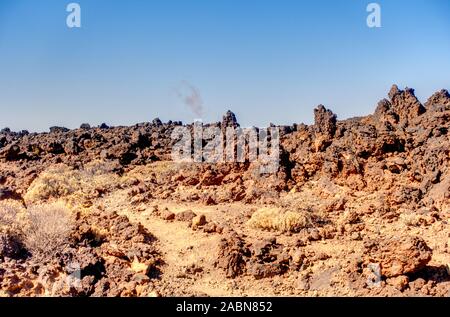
[10,230]
[278,220]
[58,181]
[8,216]
[11,214]
[361,197]
[62,181]
[47,229]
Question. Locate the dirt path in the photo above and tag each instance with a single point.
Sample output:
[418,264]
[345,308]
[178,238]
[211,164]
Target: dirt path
[188,255]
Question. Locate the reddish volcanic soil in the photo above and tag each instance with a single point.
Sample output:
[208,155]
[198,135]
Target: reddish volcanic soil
[358,207]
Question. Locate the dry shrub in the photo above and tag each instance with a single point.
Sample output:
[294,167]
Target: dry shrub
[10,230]
[62,181]
[47,229]
[43,229]
[416,220]
[57,181]
[278,220]
[8,216]
[11,212]
[160,170]
[98,167]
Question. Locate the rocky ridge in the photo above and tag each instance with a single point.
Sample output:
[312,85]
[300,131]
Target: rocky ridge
[376,182]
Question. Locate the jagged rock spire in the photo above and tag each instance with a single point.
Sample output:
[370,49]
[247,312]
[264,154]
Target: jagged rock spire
[405,104]
[229,120]
[440,98]
[324,121]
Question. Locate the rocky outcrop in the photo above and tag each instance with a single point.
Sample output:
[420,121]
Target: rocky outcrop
[229,120]
[402,137]
[259,258]
[324,127]
[440,98]
[359,181]
[324,122]
[405,104]
[107,256]
[231,257]
[398,256]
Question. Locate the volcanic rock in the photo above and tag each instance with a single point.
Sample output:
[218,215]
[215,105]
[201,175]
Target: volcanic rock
[229,120]
[398,256]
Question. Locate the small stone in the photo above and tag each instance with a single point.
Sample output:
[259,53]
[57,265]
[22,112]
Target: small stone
[210,227]
[356,236]
[198,221]
[301,242]
[186,215]
[298,257]
[417,284]
[166,214]
[141,278]
[302,284]
[399,282]
[315,235]
[209,201]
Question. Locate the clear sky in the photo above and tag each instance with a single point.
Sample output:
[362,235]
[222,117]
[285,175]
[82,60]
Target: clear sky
[267,60]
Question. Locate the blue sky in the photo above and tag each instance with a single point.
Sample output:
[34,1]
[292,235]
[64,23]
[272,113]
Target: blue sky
[267,60]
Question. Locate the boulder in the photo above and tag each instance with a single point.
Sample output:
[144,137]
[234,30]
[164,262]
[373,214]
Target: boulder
[58,129]
[397,256]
